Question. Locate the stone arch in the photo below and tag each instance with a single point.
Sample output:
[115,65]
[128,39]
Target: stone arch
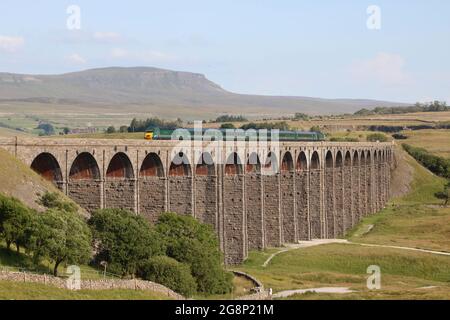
[315,197]
[329,159]
[369,181]
[180,166]
[339,159]
[348,195]
[234,235]
[152,187]
[348,159]
[180,185]
[302,162]
[253,163]
[84,167]
[205,190]
[254,203]
[272,217]
[355,159]
[302,196]
[119,183]
[233,165]
[329,191]
[339,189]
[287,190]
[46,165]
[287,164]
[205,165]
[151,166]
[356,185]
[84,185]
[271,163]
[120,167]
[315,161]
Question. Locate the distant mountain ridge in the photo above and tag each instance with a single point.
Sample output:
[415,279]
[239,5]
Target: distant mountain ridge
[148,86]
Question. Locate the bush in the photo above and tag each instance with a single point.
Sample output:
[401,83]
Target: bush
[169,272]
[374,137]
[52,200]
[123,240]
[435,164]
[191,242]
[227,126]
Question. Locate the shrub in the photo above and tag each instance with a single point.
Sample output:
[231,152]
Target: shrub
[52,200]
[191,242]
[374,137]
[169,272]
[123,240]
[435,164]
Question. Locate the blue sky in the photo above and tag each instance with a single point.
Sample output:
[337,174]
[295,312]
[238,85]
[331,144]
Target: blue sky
[302,48]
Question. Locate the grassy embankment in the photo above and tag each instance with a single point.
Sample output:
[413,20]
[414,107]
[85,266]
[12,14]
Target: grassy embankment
[413,220]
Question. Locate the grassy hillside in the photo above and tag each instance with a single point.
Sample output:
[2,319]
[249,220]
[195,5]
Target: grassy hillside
[19,181]
[32,291]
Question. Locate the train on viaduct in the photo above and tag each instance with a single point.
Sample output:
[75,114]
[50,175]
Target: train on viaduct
[316,190]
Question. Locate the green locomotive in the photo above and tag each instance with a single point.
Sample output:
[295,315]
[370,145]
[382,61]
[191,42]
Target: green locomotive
[231,134]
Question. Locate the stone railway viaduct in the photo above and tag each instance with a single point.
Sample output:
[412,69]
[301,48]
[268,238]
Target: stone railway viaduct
[302,191]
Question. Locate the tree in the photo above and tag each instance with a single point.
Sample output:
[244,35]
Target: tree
[66,130]
[110,129]
[169,272]
[123,129]
[123,239]
[191,242]
[227,126]
[61,236]
[15,222]
[47,128]
[374,137]
[301,116]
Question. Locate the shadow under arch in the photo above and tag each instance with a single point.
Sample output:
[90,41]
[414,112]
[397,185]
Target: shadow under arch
[253,164]
[205,165]
[302,162]
[287,164]
[120,167]
[46,165]
[233,165]
[180,166]
[84,167]
[152,166]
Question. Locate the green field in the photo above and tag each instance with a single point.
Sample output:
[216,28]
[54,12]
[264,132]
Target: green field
[435,141]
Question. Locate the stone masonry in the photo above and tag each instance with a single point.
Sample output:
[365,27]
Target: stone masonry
[321,190]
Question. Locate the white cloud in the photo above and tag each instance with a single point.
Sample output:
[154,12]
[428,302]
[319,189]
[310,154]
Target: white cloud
[11,44]
[148,56]
[107,36]
[75,58]
[384,68]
